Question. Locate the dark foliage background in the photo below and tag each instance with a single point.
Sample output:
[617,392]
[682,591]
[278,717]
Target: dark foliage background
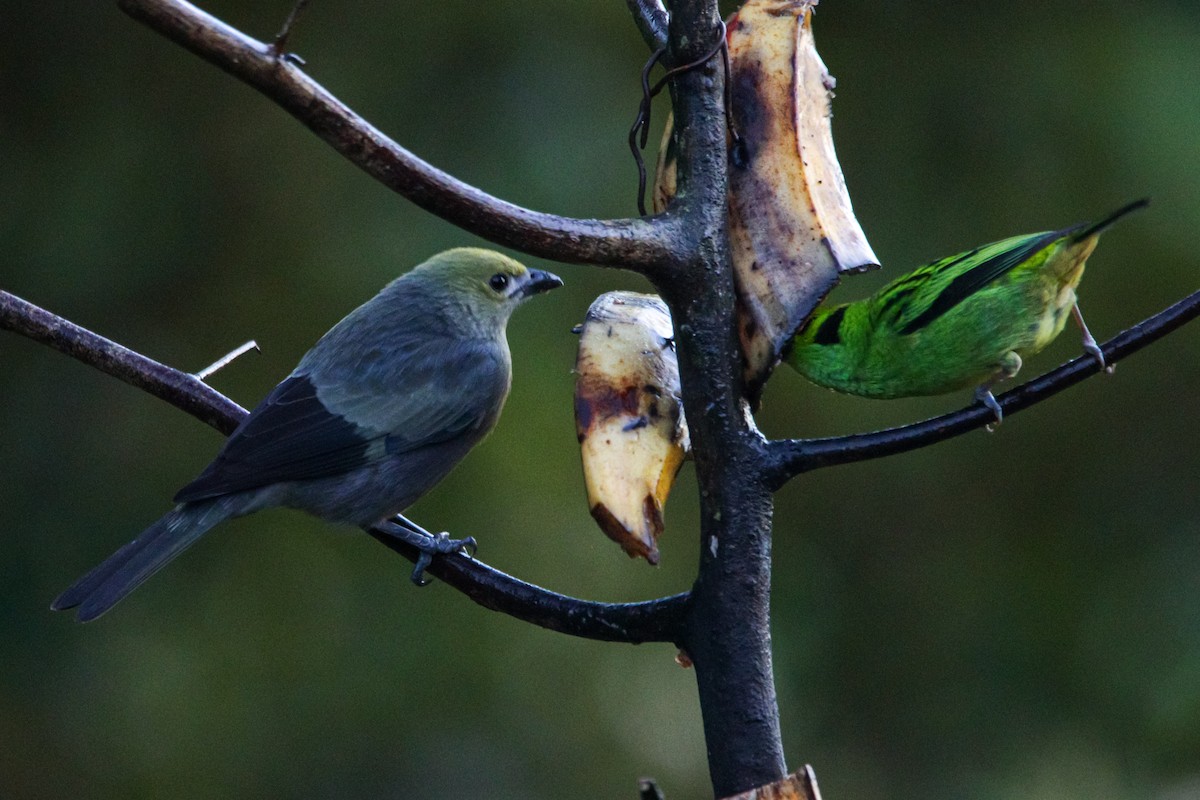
[997,616]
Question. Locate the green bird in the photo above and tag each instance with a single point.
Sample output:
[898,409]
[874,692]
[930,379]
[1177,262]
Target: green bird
[966,320]
[376,414]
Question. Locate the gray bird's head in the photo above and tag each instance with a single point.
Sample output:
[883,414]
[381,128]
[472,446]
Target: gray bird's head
[485,284]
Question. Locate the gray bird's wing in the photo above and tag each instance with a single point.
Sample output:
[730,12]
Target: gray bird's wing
[303,430]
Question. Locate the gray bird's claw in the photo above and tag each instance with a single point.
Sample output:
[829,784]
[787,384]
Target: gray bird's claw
[429,544]
[440,544]
[418,573]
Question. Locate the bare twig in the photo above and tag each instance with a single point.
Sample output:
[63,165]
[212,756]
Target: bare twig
[227,359]
[790,457]
[647,246]
[186,392]
[651,19]
[652,621]
[281,39]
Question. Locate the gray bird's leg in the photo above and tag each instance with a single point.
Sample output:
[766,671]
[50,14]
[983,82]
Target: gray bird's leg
[1089,342]
[429,544]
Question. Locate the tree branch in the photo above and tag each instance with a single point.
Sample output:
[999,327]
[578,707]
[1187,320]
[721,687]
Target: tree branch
[651,19]
[727,635]
[186,392]
[641,245]
[658,620]
[785,459]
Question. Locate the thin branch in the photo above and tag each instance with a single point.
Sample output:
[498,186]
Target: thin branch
[652,621]
[787,458]
[635,623]
[186,392]
[651,19]
[641,245]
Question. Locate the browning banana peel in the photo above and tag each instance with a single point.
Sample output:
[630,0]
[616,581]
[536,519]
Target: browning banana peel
[792,228]
[629,418]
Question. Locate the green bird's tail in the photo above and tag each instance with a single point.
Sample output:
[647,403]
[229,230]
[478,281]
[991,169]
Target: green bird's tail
[1096,228]
[158,545]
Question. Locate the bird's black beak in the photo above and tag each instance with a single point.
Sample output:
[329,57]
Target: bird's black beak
[540,281]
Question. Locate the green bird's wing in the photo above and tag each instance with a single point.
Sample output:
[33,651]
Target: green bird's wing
[303,430]
[914,301]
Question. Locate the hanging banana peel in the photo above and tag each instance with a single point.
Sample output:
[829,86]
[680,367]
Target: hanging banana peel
[791,225]
[629,417]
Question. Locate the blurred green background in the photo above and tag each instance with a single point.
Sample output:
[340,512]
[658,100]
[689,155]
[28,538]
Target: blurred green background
[998,616]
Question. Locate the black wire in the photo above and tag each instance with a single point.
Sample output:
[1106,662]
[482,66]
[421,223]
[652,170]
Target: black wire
[639,134]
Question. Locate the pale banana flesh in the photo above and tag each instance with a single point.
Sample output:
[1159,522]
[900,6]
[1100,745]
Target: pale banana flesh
[632,433]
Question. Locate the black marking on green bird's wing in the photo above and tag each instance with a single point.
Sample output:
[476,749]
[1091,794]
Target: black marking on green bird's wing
[896,296]
[829,332]
[289,436]
[978,276]
[895,299]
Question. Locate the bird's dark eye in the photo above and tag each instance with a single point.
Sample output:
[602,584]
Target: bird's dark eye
[498,281]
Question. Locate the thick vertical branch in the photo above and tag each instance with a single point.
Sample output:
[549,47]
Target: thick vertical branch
[728,630]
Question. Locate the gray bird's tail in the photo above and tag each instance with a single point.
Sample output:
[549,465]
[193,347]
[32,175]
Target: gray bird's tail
[126,569]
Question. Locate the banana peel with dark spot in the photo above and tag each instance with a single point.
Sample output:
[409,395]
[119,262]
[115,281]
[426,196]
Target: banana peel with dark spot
[632,433]
[792,228]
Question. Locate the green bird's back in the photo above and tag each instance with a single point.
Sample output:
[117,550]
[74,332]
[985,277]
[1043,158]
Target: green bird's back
[965,320]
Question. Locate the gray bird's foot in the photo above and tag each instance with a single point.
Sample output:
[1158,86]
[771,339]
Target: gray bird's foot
[429,544]
[984,395]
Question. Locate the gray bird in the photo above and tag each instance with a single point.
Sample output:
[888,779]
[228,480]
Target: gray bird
[375,415]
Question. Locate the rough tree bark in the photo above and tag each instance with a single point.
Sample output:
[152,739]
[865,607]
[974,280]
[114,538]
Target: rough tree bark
[723,623]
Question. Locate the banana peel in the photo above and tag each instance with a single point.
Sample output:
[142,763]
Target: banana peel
[632,433]
[665,169]
[792,228]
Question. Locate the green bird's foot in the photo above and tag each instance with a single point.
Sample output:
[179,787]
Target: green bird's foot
[984,395]
[1092,349]
[1089,342]
[429,544]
